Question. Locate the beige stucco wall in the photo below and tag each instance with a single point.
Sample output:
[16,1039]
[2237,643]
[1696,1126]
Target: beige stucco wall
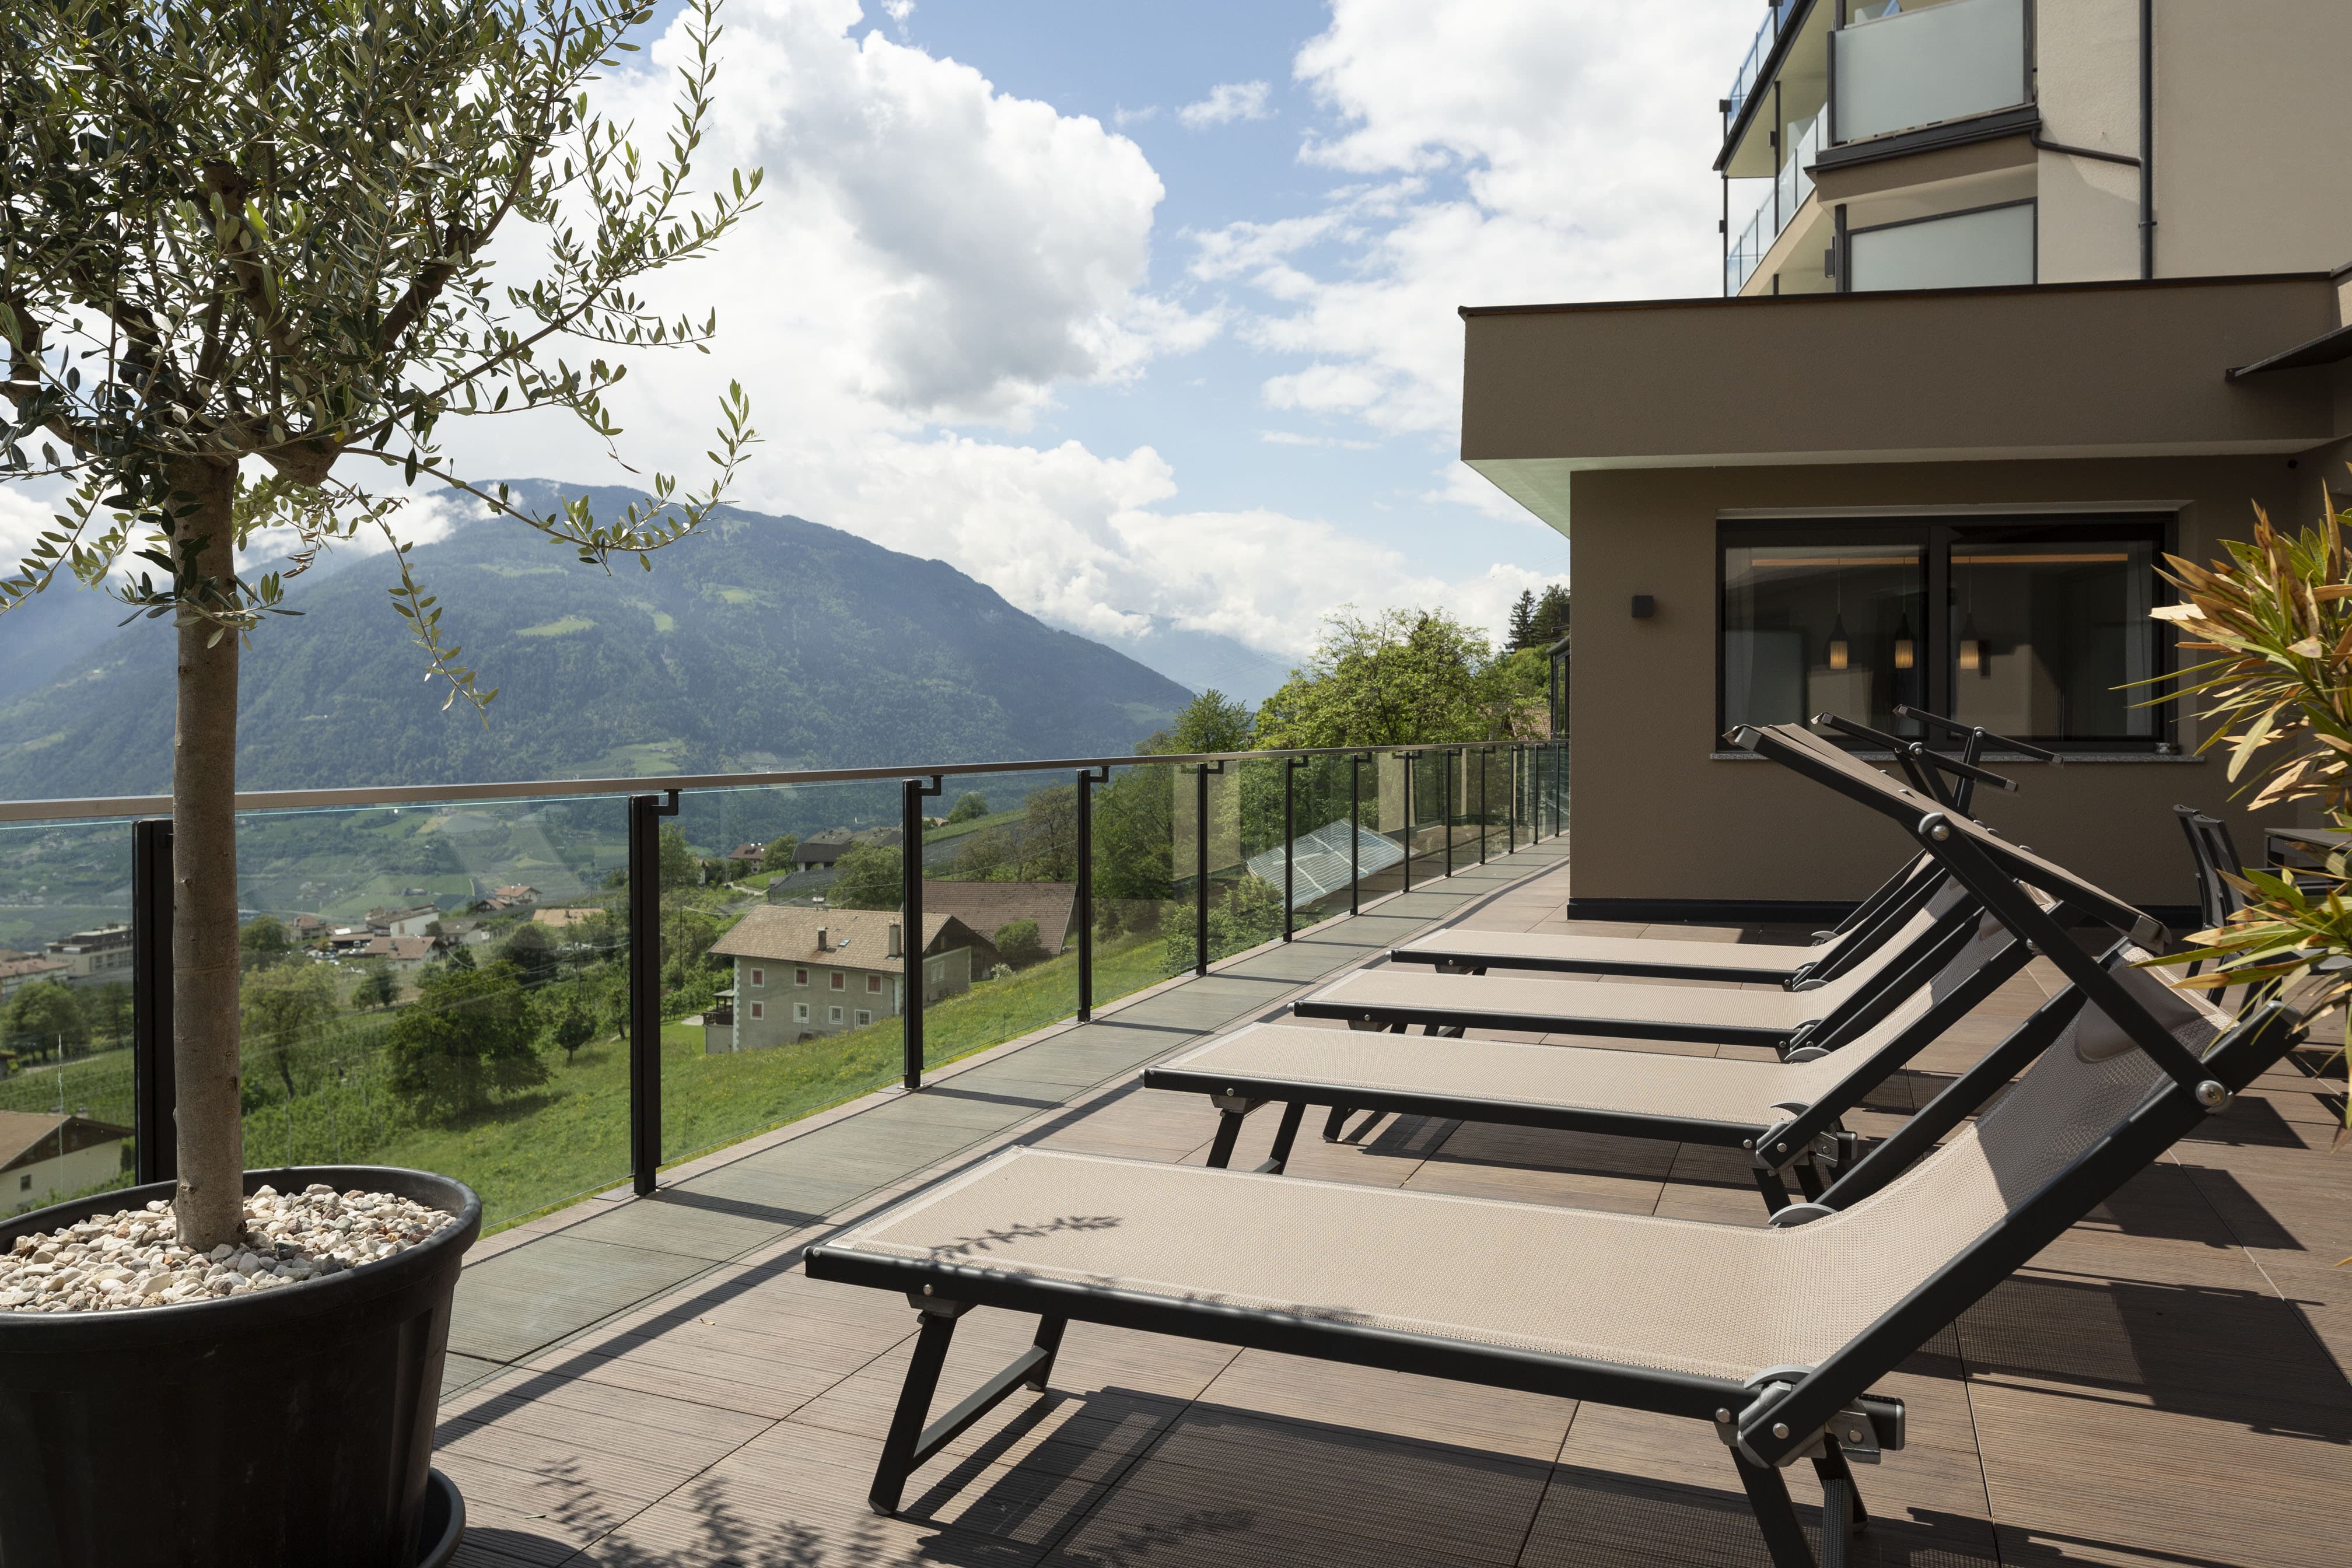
[57,1178]
[2253,131]
[1653,817]
[2087,82]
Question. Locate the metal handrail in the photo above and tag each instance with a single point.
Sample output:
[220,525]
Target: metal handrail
[101,808]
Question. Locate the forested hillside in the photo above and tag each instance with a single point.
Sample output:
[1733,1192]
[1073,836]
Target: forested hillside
[765,642]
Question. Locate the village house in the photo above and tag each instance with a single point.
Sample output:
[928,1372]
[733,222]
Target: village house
[804,974]
[402,952]
[987,908]
[93,956]
[409,922]
[45,1156]
[819,851]
[23,970]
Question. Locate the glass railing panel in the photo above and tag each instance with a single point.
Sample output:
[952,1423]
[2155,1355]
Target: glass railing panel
[1143,866]
[1751,64]
[1006,875]
[1921,66]
[1432,804]
[1988,248]
[782,979]
[414,980]
[1247,854]
[1333,805]
[65,1005]
[1383,825]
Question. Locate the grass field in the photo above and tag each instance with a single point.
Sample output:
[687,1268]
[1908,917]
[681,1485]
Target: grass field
[570,1136]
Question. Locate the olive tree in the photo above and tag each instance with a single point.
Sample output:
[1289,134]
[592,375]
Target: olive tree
[256,255]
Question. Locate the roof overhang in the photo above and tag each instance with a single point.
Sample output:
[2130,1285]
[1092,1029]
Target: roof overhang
[2093,370]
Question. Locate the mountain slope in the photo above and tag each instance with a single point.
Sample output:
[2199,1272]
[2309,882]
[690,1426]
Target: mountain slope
[766,642]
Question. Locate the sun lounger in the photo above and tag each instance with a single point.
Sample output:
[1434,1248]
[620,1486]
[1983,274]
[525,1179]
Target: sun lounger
[1773,1337]
[1397,996]
[1789,1115]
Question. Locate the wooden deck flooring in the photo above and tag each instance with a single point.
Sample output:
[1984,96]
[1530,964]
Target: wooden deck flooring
[2165,1386]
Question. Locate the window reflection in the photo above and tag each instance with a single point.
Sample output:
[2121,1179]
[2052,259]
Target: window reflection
[2048,632]
[1816,628]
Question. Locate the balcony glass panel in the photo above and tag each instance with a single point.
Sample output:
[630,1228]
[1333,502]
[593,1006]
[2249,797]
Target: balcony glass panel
[1906,68]
[1143,853]
[1246,853]
[761,1025]
[1987,248]
[1325,826]
[1751,64]
[65,1003]
[1384,816]
[411,1016]
[1782,198]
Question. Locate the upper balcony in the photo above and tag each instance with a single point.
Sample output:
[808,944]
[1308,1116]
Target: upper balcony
[1810,90]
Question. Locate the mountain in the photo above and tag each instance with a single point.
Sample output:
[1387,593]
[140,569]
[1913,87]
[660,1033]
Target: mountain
[1201,661]
[762,642]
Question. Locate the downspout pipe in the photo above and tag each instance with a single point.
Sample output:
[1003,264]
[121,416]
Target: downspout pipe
[2147,139]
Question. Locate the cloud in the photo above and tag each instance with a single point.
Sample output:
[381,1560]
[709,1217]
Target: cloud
[1226,103]
[1559,149]
[1123,117]
[935,263]
[1292,438]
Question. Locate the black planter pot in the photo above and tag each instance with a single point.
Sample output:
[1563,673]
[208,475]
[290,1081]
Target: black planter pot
[290,1427]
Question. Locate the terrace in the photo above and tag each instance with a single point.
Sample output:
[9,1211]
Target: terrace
[647,1377]
[2164,1385]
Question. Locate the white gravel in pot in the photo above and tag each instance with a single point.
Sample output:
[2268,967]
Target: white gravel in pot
[134,1258]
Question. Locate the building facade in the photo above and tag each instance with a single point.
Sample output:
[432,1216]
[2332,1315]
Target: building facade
[93,957]
[1906,461]
[44,1157]
[804,974]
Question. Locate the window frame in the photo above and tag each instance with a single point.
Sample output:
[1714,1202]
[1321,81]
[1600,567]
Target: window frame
[874,985]
[832,1015]
[758,1009]
[1936,533]
[760,978]
[800,1012]
[862,1017]
[799,977]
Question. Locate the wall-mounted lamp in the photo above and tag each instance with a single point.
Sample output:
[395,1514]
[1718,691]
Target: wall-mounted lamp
[1645,606]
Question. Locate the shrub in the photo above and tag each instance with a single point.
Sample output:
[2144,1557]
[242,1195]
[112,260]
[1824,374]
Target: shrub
[1018,944]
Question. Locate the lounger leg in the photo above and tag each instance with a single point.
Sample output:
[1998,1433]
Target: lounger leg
[1335,1123]
[1833,1469]
[1809,1180]
[910,1443]
[1284,1136]
[914,1403]
[1776,1515]
[1229,1128]
[1776,1195]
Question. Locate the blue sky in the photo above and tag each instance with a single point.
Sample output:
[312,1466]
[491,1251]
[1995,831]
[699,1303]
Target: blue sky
[1144,314]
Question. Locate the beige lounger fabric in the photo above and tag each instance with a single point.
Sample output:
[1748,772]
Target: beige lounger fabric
[1643,1083]
[1758,958]
[1634,1290]
[1569,1000]
[1704,1088]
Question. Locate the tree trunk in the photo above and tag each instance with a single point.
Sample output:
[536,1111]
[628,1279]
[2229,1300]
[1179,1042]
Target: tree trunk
[210,1203]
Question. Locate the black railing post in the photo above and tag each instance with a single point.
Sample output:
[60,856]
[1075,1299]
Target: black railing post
[155,1140]
[911,795]
[1408,758]
[1355,832]
[1512,832]
[1088,779]
[1201,865]
[1290,767]
[1483,754]
[646,812]
[1445,809]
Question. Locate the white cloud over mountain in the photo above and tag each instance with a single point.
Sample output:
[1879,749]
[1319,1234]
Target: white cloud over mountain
[936,261]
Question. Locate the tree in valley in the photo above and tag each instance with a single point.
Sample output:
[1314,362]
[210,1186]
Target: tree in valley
[968,805]
[42,1017]
[262,942]
[531,950]
[778,854]
[1550,622]
[108,1010]
[379,986]
[571,1023]
[867,876]
[470,1037]
[285,1017]
[678,866]
[246,262]
[1212,722]
[1049,835]
[1018,944]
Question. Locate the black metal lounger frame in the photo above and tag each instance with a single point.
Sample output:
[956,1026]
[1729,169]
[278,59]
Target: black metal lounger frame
[1824,1413]
[1809,1146]
[1864,1010]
